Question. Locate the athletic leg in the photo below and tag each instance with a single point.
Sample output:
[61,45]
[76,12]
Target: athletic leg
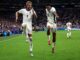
[53,37]
[48,34]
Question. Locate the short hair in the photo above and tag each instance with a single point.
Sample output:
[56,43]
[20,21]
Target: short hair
[28,2]
[48,4]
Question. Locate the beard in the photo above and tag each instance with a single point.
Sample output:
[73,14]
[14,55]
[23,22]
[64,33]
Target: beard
[28,8]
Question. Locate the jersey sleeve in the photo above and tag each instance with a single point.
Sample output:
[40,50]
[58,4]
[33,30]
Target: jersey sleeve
[53,10]
[20,11]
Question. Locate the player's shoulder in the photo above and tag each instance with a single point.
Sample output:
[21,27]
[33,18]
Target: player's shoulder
[22,9]
[46,9]
[53,9]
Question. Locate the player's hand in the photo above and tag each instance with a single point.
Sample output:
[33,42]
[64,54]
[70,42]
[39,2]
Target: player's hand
[34,13]
[57,16]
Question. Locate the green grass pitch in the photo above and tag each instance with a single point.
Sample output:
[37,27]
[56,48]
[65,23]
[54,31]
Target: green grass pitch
[15,47]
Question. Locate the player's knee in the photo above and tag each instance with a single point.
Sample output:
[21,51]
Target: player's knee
[54,30]
[23,27]
[48,27]
[30,35]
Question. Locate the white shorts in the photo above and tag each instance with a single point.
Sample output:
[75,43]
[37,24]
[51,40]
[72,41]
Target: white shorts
[52,25]
[28,27]
[68,29]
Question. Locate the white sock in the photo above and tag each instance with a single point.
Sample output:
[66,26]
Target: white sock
[27,37]
[70,34]
[31,48]
[31,45]
[67,35]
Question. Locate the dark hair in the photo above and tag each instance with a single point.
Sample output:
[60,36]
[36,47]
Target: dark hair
[48,4]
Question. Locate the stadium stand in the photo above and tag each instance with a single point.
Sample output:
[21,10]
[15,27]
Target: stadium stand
[67,10]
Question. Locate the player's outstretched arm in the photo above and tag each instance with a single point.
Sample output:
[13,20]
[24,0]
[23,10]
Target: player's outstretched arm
[55,13]
[34,13]
[17,14]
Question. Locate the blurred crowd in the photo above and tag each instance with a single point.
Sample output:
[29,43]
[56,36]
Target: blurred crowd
[8,27]
[7,22]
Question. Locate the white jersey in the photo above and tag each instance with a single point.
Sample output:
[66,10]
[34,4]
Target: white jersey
[69,25]
[50,16]
[27,15]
